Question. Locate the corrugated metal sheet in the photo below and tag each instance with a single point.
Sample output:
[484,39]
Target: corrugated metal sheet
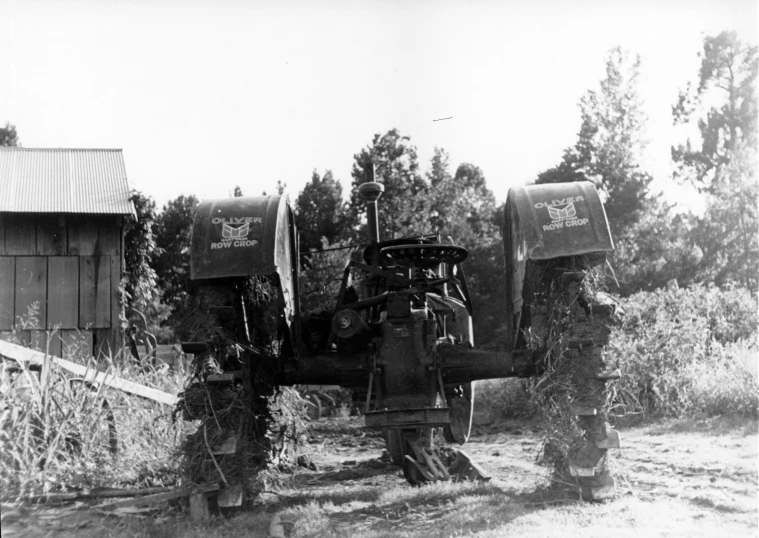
[63,181]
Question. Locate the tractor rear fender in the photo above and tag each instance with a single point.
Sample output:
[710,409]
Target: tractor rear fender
[248,236]
[550,221]
[559,219]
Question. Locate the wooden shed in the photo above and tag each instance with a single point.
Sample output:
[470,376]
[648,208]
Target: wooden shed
[62,217]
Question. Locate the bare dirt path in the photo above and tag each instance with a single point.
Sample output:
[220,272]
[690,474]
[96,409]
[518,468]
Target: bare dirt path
[677,479]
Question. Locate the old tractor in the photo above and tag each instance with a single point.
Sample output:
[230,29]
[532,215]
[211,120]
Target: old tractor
[400,334]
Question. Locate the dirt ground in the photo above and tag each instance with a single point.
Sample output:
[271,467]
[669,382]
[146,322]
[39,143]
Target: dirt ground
[685,478]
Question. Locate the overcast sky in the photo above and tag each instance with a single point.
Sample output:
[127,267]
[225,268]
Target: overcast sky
[203,96]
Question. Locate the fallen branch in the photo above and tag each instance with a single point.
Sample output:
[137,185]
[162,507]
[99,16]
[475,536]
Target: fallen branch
[114,492]
[213,458]
[273,493]
[557,501]
[53,498]
[160,497]
[96,494]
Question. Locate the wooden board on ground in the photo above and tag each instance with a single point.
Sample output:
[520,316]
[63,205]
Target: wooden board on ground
[102,493]
[159,497]
[31,357]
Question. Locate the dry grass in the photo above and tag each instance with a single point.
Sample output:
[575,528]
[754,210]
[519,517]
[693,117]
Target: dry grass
[60,434]
[685,503]
[672,486]
[54,437]
[454,510]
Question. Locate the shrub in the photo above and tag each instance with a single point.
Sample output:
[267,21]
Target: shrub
[679,352]
[688,352]
[505,398]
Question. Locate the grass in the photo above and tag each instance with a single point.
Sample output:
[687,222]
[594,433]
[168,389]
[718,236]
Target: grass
[315,505]
[457,510]
[54,436]
[499,399]
[712,426]
[59,434]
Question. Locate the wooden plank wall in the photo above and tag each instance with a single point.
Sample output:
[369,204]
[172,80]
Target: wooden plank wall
[31,291]
[20,236]
[63,292]
[111,244]
[7,286]
[70,265]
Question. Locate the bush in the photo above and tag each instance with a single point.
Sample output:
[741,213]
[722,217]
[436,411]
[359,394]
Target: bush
[680,353]
[688,352]
[505,398]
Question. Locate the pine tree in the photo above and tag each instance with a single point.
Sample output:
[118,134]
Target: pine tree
[727,90]
[404,207]
[173,237]
[319,212]
[611,143]
[9,136]
[722,163]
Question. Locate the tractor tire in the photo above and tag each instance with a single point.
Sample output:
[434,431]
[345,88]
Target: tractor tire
[569,314]
[232,443]
[461,405]
[589,335]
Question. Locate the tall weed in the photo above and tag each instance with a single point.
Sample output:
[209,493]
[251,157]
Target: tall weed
[58,432]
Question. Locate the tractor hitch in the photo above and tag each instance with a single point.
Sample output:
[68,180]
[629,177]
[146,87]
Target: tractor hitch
[423,463]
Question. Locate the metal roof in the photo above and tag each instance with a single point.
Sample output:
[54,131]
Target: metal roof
[63,181]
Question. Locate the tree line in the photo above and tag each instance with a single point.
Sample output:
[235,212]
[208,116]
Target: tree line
[656,240]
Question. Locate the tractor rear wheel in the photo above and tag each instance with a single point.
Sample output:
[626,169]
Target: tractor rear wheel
[232,385]
[461,404]
[570,318]
[588,336]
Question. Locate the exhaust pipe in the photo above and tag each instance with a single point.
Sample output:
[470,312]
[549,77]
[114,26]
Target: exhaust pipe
[371,192]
